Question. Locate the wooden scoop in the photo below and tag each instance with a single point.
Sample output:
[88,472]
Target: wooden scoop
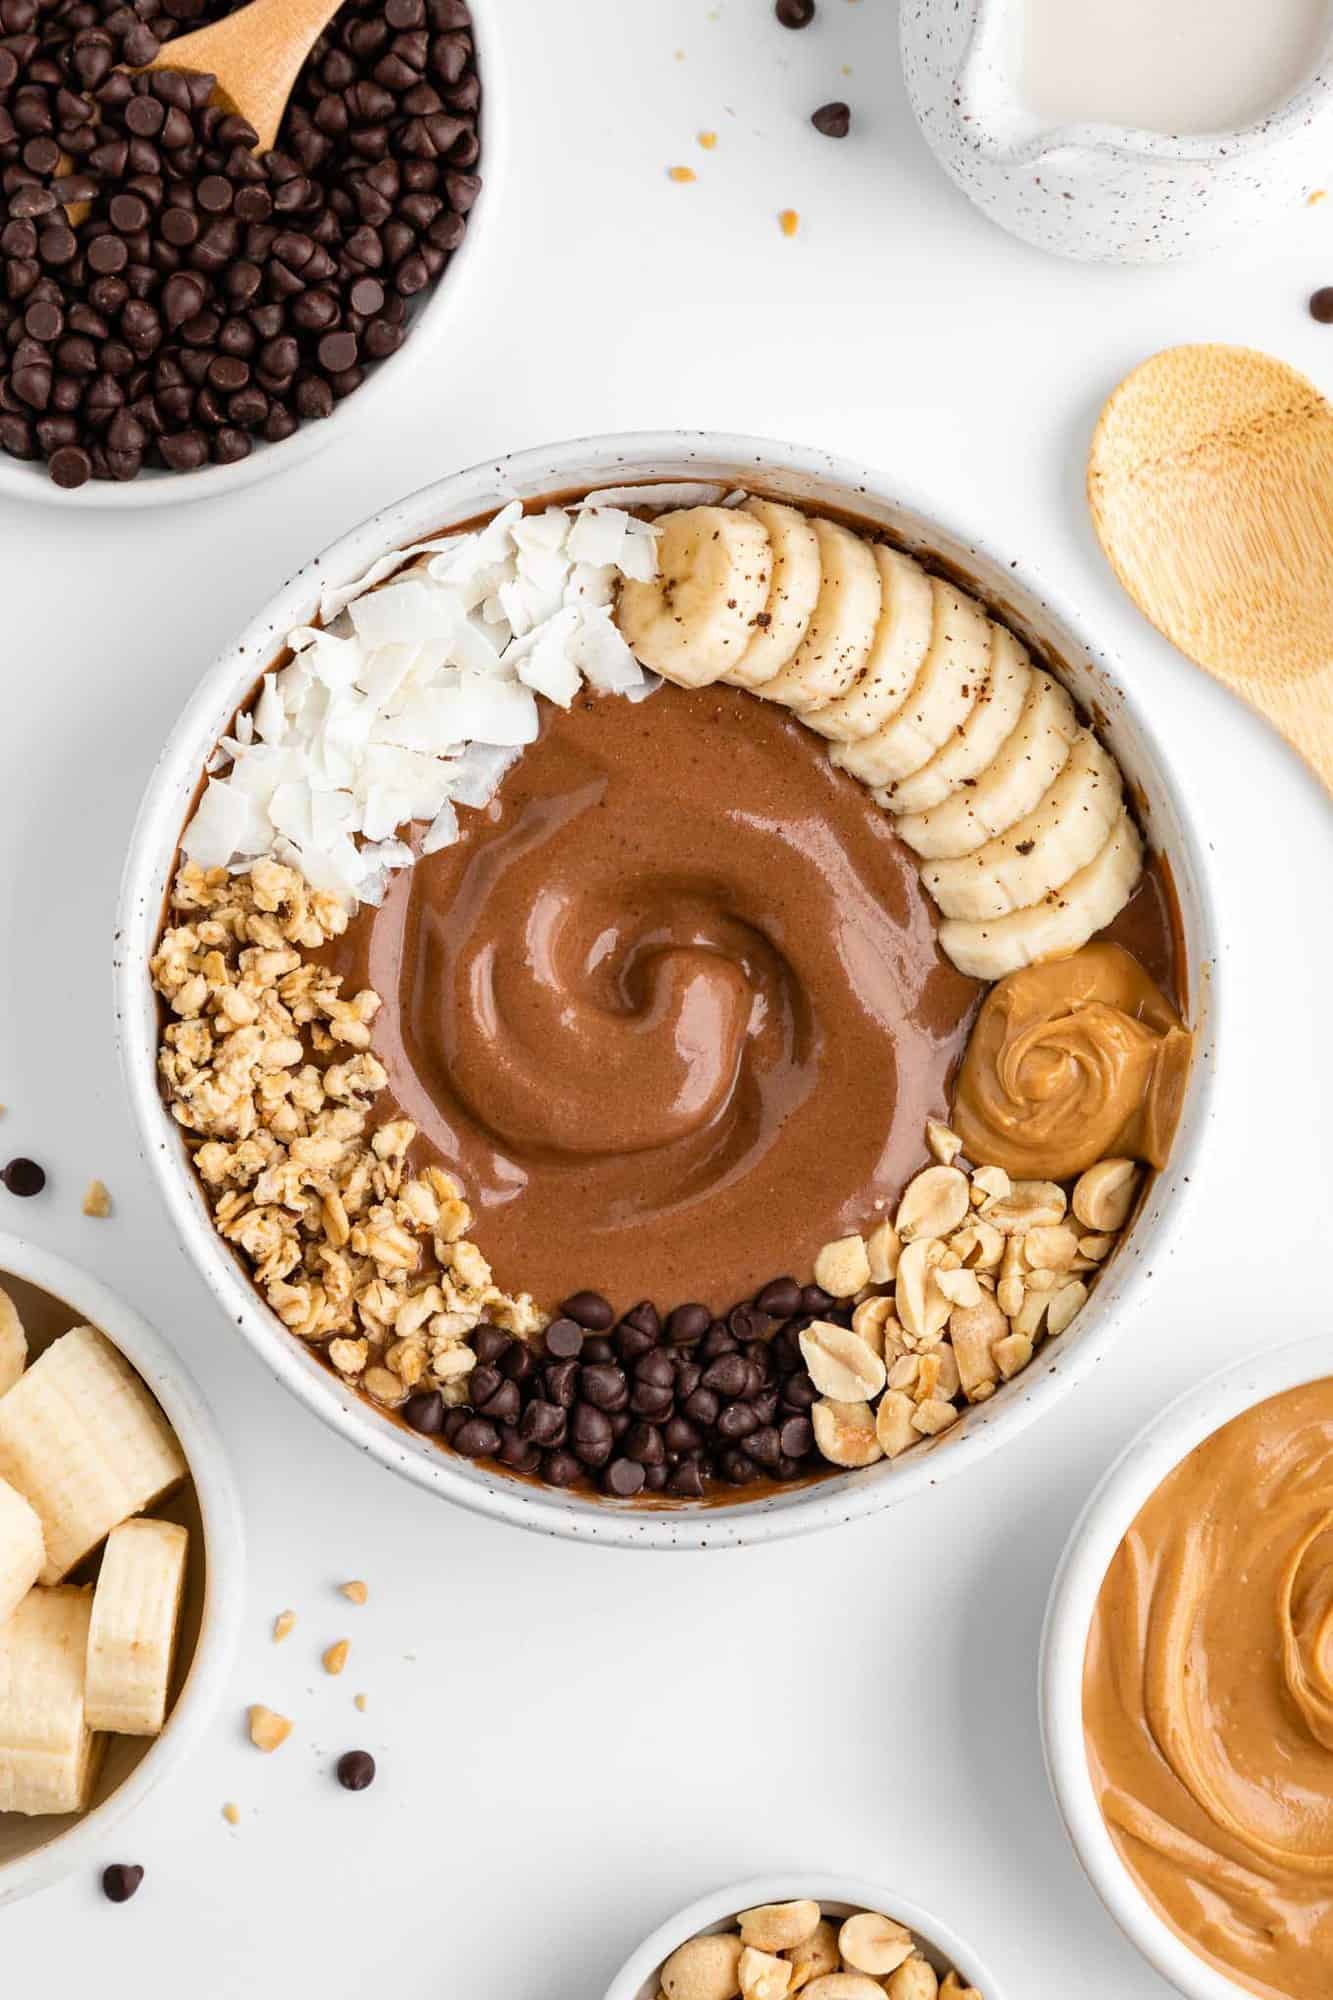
[1210,480]
[256,55]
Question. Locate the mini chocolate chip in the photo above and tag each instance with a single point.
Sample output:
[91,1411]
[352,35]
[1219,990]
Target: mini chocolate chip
[595,1348]
[656,1367]
[477,1438]
[589,1309]
[815,1300]
[591,1435]
[686,1481]
[780,1298]
[25,1177]
[648,1399]
[795,13]
[128,212]
[562,1380]
[604,1385]
[489,1343]
[424,1411]
[797,1437]
[543,1423]
[1321,305]
[561,1468]
[120,1881]
[564,1339]
[624,1477]
[833,120]
[687,1323]
[356,1770]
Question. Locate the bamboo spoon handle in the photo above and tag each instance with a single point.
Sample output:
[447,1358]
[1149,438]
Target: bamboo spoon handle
[256,55]
[1210,481]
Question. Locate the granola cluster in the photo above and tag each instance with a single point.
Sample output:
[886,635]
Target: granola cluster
[269,1069]
[953,1296]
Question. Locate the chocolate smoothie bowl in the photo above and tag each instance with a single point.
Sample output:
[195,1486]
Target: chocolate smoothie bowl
[668,1003]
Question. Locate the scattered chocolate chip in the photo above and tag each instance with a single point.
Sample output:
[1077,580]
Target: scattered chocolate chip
[1321,305]
[356,1770]
[795,13]
[588,1309]
[120,1881]
[23,1177]
[833,120]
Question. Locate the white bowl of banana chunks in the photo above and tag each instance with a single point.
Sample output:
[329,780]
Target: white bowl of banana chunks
[121,1566]
[1063,676]
[832,1936]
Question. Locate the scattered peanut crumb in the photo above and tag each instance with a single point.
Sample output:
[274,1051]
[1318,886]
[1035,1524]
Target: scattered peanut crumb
[97,1201]
[335,1656]
[359,1701]
[789,221]
[681,174]
[268,1729]
[282,1625]
[355,1592]
[231,1813]
[708,140]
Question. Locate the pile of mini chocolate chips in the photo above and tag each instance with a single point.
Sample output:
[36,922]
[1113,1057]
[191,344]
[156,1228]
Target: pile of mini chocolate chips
[656,1404]
[214,296]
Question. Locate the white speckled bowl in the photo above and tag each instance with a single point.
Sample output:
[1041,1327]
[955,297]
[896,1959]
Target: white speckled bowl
[37,1851]
[27,480]
[838,1895]
[793,473]
[1097,1534]
[1099,191]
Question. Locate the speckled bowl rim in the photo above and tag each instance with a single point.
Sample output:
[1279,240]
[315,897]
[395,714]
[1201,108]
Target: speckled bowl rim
[712,1912]
[804,474]
[25,479]
[84,1844]
[1101,1527]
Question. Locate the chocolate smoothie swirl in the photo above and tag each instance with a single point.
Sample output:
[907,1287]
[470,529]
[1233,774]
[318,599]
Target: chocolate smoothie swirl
[672,1006]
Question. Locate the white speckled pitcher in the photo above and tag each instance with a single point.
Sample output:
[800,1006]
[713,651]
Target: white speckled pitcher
[1090,190]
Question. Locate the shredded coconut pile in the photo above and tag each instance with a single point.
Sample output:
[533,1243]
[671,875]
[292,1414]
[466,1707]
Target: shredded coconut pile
[417,694]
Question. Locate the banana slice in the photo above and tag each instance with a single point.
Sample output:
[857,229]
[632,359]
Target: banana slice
[48,1754]
[967,754]
[13,1343]
[135,1624]
[22,1552]
[1065,829]
[842,626]
[901,638]
[792,594]
[85,1444]
[952,676]
[697,616]
[1061,922]
[1024,766]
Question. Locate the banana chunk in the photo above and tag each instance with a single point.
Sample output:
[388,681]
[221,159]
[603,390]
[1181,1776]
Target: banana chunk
[907,613]
[48,1754]
[22,1551]
[135,1625]
[842,626]
[85,1444]
[966,754]
[13,1343]
[792,594]
[1065,829]
[1060,923]
[696,617]
[1016,777]
[953,673]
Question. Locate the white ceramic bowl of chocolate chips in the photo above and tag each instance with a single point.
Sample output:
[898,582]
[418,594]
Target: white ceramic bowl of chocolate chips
[491,1035]
[122,1568]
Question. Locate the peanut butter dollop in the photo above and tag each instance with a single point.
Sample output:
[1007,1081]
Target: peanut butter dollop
[1071,1061]
[1208,1698]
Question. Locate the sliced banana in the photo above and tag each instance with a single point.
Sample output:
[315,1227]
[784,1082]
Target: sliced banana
[21,1551]
[792,594]
[697,615]
[135,1624]
[907,611]
[952,676]
[841,632]
[48,1754]
[1010,786]
[1068,825]
[13,1343]
[1061,922]
[967,754]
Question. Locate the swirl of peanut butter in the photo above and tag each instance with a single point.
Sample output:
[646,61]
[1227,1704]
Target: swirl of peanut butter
[1208,1697]
[1071,1061]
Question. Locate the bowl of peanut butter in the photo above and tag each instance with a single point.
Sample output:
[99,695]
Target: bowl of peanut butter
[658,979]
[1187,1684]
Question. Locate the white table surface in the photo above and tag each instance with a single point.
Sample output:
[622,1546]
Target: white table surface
[573,1741]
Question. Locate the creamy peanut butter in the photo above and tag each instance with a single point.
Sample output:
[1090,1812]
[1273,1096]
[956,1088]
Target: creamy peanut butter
[672,1006]
[1208,1698]
[1072,1060]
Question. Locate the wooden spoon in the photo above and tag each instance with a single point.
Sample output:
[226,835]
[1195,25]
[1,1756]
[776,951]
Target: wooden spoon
[1210,480]
[256,55]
